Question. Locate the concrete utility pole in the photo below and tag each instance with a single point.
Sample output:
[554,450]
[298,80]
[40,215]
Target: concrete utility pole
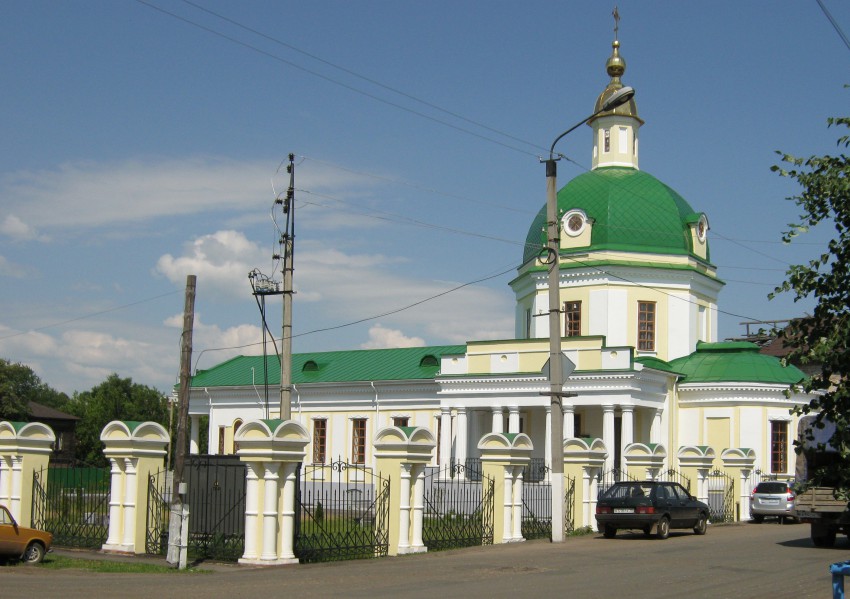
[287,242]
[557,360]
[179,510]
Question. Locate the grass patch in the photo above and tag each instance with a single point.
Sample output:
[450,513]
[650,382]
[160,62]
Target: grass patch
[62,562]
[581,532]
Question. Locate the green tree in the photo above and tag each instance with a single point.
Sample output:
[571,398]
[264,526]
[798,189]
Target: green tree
[19,385]
[822,338]
[113,399]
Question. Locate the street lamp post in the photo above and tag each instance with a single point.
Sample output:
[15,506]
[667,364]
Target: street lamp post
[556,372]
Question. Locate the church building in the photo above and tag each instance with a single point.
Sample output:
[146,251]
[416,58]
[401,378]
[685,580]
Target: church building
[638,299]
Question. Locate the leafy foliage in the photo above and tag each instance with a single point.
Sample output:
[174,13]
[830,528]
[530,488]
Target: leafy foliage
[822,338]
[19,385]
[113,399]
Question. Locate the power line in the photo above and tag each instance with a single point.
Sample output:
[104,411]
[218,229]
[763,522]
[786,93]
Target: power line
[834,23]
[332,80]
[90,315]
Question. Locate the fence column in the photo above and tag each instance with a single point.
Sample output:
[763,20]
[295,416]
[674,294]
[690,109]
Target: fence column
[739,462]
[503,456]
[135,450]
[402,454]
[695,461]
[25,449]
[644,460]
[271,448]
[583,458]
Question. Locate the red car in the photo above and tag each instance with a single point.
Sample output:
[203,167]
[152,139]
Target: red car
[19,542]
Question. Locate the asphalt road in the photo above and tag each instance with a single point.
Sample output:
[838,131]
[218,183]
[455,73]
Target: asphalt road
[746,560]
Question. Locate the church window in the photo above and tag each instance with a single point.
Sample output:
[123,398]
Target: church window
[320,440]
[358,441]
[624,140]
[528,323]
[646,326]
[574,222]
[572,319]
[400,421]
[778,446]
[607,136]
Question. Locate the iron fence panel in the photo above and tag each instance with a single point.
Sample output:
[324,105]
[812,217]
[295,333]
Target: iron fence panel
[458,509]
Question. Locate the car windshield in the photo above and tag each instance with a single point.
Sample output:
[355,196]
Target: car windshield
[624,490]
[771,487]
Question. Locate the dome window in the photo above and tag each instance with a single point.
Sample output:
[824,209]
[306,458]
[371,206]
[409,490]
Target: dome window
[574,223]
[702,228]
[310,366]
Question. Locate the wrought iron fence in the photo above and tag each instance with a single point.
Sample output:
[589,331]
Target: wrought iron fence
[721,497]
[472,469]
[158,512]
[674,476]
[72,504]
[458,508]
[536,471]
[606,479]
[536,502]
[342,513]
[569,503]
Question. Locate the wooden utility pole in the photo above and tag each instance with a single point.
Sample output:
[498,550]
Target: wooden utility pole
[176,541]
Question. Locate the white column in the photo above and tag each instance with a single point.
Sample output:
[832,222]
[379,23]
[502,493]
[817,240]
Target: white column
[195,435]
[129,503]
[513,419]
[745,495]
[270,511]
[5,478]
[287,521]
[517,508]
[404,510]
[116,486]
[588,489]
[608,434]
[627,431]
[252,509]
[461,436]
[569,421]
[508,504]
[18,486]
[498,420]
[594,493]
[418,474]
[548,454]
[655,427]
[445,436]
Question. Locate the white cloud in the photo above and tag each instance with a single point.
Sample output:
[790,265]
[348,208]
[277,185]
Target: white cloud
[10,269]
[14,227]
[381,337]
[212,345]
[86,195]
[221,261]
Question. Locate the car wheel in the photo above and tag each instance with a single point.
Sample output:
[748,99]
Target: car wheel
[663,529]
[610,532]
[34,553]
[702,525]
[758,518]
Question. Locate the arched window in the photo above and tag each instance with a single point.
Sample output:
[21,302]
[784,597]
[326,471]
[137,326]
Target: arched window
[236,424]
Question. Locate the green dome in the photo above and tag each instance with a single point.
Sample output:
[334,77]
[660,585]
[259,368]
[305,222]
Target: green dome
[734,362]
[631,211]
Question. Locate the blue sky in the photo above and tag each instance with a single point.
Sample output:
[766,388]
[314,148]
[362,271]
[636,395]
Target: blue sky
[141,146]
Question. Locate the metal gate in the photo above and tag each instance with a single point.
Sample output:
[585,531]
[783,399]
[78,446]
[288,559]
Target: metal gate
[721,497]
[158,512]
[72,504]
[341,513]
[605,480]
[216,498]
[536,502]
[458,510]
[674,476]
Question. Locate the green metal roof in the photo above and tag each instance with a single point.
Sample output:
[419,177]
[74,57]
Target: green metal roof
[331,367]
[631,211]
[734,361]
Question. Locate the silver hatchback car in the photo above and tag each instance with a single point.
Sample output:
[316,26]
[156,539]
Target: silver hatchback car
[772,498]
